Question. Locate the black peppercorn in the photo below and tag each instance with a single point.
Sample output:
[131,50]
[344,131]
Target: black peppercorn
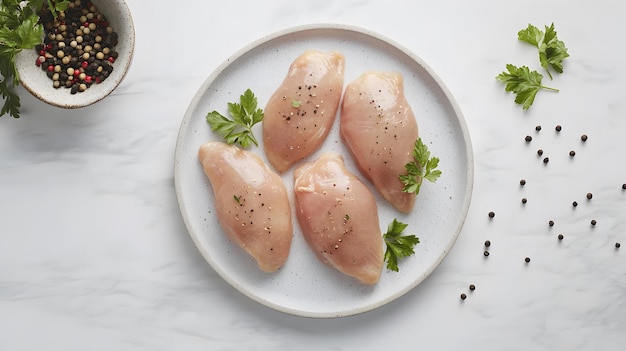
[487,243]
[522,182]
[624,186]
[617,245]
[589,196]
[527,259]
[486,253]
[558,128]
[583,137]
[551,223]
[472,287]
[463,296]
[538,128]
[492,214]
[546,160]
[113,39]
[572,153]
[528,138]
[593,222]
[560,236]
[574,203]
[524,200]
[539,152]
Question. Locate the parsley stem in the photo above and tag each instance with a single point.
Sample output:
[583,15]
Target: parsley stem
[551,89]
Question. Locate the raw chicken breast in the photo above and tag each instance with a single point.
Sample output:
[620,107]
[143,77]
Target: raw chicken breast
[339,218]
[300,113]
[379,128]
[251,201]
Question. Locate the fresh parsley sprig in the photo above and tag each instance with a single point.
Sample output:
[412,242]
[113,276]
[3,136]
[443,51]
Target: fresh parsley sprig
[524,83]
[422,167]
[20,29]
[245,115]
[552,51]
[398,245]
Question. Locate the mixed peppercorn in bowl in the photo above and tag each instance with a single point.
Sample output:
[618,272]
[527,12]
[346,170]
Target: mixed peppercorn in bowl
[85,53]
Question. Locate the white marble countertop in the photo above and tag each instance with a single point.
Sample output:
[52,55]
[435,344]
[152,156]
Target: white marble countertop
[94,253]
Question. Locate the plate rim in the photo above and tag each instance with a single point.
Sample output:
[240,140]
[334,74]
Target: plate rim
[290,31]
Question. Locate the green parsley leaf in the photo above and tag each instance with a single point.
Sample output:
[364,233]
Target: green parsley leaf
[531,35]
[237,199]
[524,83]
[296,103]
[398,245]
[59,5]
[19,30]
[245,115]
[11,101]
[552,51]
[29,33]
[422,167]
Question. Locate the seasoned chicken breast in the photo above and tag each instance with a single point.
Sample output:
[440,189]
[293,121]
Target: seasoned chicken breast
[379,128]
[339,218]
[300,113]
[251,202]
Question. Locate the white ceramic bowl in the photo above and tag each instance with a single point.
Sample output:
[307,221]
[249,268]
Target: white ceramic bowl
[35,80]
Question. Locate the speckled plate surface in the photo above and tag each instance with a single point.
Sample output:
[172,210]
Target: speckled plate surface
[304,286]
[33,79]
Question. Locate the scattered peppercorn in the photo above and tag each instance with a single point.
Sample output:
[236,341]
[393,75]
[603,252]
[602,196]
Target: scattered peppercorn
[617,245]
[572,153]
[539,152]
[538,128]
[560,236]
[546,160]
[522,182]
[486,253]
[551,223]
[472,287]
[624,186]
[574,203]
[463,296]
[558,128]
[589,196]
[524,200]
[529,138]
[593,222]
[527,259]
[583,137]
[487,243]
[492,214]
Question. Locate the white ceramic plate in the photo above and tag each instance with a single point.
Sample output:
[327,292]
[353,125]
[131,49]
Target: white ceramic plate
[304,286]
